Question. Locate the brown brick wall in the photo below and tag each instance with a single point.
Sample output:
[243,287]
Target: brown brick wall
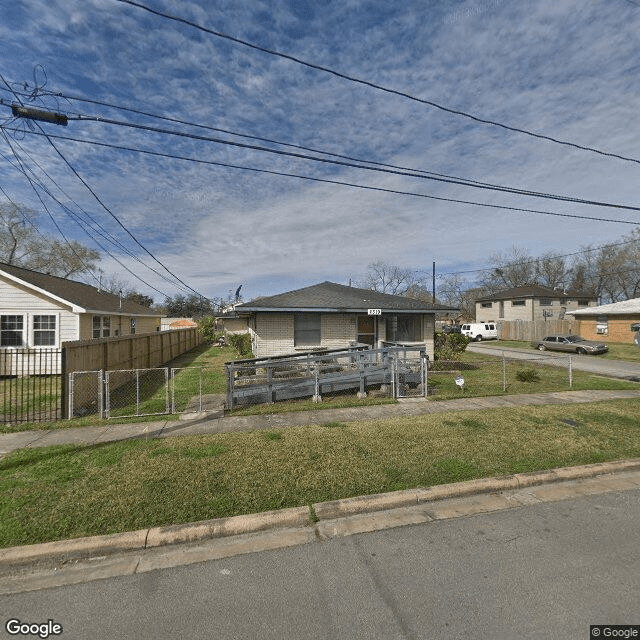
[619,329]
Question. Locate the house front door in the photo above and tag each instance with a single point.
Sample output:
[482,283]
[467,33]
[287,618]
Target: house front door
[367,330]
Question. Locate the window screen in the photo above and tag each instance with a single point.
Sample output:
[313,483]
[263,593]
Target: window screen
[306,328]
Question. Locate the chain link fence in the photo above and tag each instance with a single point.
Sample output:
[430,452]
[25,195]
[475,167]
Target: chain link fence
[453,379]
[129,393]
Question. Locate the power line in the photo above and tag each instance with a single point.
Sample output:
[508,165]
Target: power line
[23,170]
[83,224]
[533,260]
[102,204]
[238,134]
[325,180]
[352,165]
[413,173]
[373,85]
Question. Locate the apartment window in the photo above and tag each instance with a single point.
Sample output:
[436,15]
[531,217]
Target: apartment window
[101,326]
[306,329]
[518,303]
[583,303]
[133,326]
[486,305]
[545,302]
[44,331]
[11,331]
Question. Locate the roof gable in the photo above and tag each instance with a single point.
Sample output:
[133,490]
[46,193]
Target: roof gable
[625,307]
[533,291]
[81,297]
[332,297]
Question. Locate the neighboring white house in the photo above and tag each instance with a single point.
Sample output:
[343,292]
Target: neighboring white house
[40,311]
[334,316]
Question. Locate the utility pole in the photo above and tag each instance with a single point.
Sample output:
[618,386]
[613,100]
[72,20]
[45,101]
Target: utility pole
[434,282]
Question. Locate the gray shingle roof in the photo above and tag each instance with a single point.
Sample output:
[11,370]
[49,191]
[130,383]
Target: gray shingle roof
[533,291]
[332,297]
[77,293]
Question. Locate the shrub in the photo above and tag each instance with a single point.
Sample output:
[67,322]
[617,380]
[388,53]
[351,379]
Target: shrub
[448,345]
[528,375]
[241,342]
[206,328]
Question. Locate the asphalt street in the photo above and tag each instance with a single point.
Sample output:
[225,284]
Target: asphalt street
[541,570]
[592,364]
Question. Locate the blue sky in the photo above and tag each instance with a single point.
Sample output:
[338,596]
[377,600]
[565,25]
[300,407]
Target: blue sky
[565,69]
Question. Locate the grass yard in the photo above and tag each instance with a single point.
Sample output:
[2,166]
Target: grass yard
[71,491]
[484,376]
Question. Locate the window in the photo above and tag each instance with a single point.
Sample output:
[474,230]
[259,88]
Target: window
[44,331]
[602,325]
[583,303]
[518,303]
[11,331]
[486,305]
[306,329]
[101,326]
[545,302]
[133,326]
[404,328]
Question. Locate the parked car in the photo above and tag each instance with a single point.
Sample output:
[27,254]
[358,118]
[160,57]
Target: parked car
[572,344]
[480,331]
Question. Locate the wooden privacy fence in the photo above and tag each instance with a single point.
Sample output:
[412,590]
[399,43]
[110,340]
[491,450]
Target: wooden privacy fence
[528,330]
[143,351]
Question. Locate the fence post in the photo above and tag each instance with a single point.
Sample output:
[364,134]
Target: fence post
[570,374]
[63,385]
[362,393]
[229,369]
[270,392]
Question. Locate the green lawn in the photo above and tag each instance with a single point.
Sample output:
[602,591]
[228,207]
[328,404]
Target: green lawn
[72,491]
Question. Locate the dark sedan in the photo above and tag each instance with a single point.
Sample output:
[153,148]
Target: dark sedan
[572,344]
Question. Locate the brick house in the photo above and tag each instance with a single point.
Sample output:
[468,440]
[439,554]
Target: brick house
[334,316]
[531,303]
[615,321]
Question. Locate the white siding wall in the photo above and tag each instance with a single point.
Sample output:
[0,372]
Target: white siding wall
[17,301]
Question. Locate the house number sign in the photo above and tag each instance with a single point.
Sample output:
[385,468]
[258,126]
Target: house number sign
[374,312]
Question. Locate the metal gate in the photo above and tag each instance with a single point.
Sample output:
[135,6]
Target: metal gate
[409,373]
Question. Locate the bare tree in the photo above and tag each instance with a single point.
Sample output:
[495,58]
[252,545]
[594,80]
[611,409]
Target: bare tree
[455,290]
[390,278]
[552,271]
[23,246]
[515,268]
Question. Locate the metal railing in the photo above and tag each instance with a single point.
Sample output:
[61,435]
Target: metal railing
[30,385]
[394,371]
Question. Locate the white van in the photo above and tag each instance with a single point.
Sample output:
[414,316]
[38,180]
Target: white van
[480,331]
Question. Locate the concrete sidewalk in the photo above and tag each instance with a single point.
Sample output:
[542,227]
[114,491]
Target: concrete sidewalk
[216,422]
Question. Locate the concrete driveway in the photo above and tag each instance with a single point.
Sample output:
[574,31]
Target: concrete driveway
[592,364]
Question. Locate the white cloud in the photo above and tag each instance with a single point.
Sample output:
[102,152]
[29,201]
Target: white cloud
[564,69]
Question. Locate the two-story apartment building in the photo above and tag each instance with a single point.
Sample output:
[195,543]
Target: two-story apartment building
[531,302]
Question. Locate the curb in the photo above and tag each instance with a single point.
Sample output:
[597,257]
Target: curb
[13,558]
